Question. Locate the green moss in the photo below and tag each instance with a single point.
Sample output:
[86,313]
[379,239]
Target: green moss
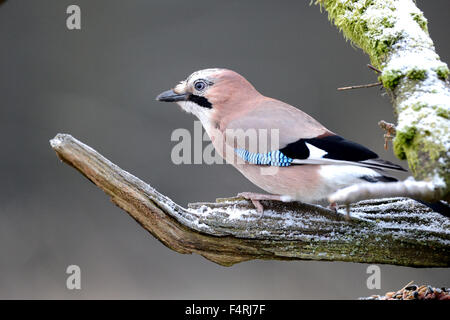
[368,3]
[348,18]
[422,154]
[442,112]
[386,22]
[417,106]
[382,47]
[442,72]
[364,32]
[421,21]
[391,78]
[402,141]
[416,74]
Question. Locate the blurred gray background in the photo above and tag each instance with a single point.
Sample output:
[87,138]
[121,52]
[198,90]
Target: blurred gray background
[99,84]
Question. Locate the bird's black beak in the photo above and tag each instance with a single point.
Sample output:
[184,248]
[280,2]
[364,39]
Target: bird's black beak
[171,96]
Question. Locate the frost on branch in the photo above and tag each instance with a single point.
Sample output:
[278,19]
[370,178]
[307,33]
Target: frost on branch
[394,34]
[394,231]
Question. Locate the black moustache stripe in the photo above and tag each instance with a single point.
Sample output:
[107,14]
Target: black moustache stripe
[201,101]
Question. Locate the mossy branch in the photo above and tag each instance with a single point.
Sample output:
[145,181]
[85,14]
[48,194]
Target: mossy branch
[394,34]
[392,231]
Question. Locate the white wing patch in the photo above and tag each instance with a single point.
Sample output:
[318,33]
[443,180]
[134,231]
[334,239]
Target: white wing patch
[314,152]
[340,176]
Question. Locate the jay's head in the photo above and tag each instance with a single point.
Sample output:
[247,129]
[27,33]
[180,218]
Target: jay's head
[210,91]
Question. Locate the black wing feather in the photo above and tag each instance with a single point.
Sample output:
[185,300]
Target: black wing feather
[340,149]
[337,148]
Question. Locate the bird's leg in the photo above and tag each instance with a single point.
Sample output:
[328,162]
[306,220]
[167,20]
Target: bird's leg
[347,217]
[256,197]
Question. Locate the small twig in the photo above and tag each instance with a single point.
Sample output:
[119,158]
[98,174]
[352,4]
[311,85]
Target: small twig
[373,68]
[390,131]
[376,84]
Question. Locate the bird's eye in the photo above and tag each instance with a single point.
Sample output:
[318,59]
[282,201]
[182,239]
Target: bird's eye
[200,85]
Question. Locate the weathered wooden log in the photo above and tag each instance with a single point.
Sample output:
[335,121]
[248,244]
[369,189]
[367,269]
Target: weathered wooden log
[396,231]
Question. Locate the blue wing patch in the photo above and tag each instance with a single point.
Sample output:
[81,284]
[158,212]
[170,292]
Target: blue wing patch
[275,158]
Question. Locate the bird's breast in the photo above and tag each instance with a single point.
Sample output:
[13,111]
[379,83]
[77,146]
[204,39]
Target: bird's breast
[301,183]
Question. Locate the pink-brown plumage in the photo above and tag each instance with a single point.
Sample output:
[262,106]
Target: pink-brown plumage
[225,102]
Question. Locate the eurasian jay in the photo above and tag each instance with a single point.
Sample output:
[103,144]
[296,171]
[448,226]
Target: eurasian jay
[310,161]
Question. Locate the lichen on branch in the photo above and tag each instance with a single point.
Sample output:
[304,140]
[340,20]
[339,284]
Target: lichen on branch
[394,33]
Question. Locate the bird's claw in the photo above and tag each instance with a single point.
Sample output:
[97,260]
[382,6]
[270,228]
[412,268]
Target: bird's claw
[250,196]
[256,197]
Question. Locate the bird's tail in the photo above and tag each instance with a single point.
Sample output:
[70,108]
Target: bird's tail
[438,206]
